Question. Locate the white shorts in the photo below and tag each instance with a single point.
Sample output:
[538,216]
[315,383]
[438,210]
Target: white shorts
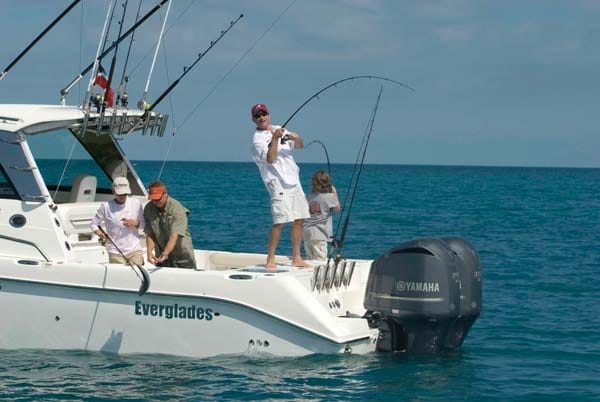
[287,204]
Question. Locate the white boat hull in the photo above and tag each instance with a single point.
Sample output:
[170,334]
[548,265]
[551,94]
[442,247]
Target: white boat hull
[104,313]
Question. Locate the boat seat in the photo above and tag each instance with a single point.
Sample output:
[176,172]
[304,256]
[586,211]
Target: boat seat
[83,189]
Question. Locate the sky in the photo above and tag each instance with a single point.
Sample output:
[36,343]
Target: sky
[496,83]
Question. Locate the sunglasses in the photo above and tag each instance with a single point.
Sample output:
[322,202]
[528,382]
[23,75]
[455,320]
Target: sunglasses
[260,114]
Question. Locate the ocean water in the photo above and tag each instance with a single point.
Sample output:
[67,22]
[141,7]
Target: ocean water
[537,231]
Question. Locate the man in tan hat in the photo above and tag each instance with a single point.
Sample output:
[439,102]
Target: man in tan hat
[121,218]
[168,238]
[272,152]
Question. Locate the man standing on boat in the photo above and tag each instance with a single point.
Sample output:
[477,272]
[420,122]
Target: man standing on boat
[272,152]
[168,238]
[121,218]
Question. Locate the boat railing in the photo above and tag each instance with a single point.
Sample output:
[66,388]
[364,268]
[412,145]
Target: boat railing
[27,242]
[119,122]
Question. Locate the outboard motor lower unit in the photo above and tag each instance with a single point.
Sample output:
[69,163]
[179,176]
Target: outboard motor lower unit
[414,295]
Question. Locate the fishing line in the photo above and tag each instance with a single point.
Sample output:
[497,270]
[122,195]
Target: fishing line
[149,107]
[338,242]
[62,174]
[236,64]
[192,2]
[80,53]
[164,161]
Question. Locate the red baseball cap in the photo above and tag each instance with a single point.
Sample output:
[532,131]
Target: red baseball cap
[259,107]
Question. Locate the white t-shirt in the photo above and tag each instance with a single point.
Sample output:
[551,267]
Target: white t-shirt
[284,169]
[109,216]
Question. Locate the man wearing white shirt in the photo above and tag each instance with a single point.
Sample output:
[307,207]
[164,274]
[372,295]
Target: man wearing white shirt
[121,218]
[272,152]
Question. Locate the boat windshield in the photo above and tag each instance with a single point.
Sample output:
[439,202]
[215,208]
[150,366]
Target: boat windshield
[61,158]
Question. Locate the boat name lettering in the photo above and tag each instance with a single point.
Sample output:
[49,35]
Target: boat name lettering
[431,287]
[170,311]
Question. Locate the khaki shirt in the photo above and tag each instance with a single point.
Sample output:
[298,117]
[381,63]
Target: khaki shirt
[160,225]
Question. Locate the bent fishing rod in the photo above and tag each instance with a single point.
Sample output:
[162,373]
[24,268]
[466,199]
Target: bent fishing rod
[338,243]
[316,95]
[65,90]
[145,277]
[37,38]
[326,153]
[356,77]
[148,107]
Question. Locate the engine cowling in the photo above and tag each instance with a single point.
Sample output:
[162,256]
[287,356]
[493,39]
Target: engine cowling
[414,296]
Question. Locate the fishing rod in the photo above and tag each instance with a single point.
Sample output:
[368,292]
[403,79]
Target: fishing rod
[326,153]
[149,106]
[338,243]
[101,44]
[121,91]
[316,95]
[65,90]
[145,277]
[114,58]
[44,32]
[356,77]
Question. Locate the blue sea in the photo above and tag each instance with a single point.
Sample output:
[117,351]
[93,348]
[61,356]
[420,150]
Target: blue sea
[537,231]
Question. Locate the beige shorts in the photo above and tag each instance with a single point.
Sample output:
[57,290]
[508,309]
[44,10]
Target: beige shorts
[137,257]
[287,204]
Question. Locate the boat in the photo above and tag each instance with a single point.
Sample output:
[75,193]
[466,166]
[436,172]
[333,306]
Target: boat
[59,292]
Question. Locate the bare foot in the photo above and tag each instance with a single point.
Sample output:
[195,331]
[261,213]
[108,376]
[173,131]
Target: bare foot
[270,266]
[301,264]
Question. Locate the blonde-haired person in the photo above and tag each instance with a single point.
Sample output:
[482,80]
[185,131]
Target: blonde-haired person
[318,228]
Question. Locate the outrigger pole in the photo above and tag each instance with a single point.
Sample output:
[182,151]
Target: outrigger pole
[160,36]
[149,107]
[65,91]
[44,32]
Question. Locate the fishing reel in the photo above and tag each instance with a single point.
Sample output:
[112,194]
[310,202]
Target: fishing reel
[124,100]
[285,139]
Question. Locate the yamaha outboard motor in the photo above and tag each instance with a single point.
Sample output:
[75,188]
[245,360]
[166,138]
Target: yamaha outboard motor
[413,295]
